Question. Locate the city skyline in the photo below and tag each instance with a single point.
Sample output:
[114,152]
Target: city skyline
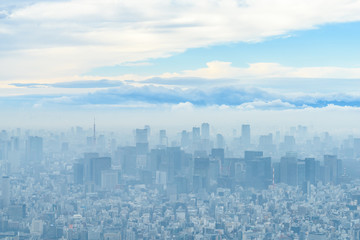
[180,119]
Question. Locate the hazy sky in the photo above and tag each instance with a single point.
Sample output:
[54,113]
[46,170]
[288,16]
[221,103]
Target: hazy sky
[64,61]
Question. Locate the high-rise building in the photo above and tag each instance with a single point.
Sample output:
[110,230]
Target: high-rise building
[109,179]
[88,166]
[356,144]
[220,142]
[332,169]
[245,135]
[266,143]
[310,170]
[196,134]
[289,144]
[196,139]
[5,191]
[185,139]
[78,169]
[100,164]
[34,149]
[141,139]
[163,140]
[288,170]
[205,131]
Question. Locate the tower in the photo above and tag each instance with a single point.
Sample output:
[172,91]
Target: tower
[245,134]
[205,131]
[5,191]
[34,149]
[94,136]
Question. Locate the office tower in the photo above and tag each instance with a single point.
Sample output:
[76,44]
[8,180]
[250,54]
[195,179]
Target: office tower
[220,142]
[205,131]
[185,139]
[88,166]
[289,144]
[94,134]
[288,170]
[301,132]
[258,170]
[98,165]
[301,172]
[356,143]
[173,161]
[196,139]
[148,129]
[200,176]
[78,169]
[196,134]
[266,143]
[332,169]
[245,135]
[5,191]
[34,149]
[163,140]
[109,179]
[127,158]
[310,170]
[141,139]
[160,178]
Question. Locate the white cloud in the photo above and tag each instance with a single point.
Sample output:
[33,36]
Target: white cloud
[70,37]
[218,69]
[183,106]
[270,105]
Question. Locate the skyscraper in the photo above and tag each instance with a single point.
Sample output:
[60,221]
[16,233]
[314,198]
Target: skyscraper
[5,191]
[245,135]
[205,131]
[196,134]
[163,140]
[141,138]
[34,149]
[310,170]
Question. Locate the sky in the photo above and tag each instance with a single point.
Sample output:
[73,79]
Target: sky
[180,62]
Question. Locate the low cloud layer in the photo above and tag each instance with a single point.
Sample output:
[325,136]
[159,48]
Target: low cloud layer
[150,96]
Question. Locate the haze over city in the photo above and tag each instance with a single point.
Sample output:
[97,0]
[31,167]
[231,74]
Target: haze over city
[206,120]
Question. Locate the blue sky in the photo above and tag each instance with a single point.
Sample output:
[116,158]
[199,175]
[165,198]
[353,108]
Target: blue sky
[234,55]
[327,45]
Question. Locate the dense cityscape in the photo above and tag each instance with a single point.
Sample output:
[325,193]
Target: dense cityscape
[199,184]
[179,119]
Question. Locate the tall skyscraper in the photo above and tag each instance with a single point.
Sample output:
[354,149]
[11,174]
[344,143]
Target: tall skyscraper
[196,139]
[93,167]
[288,170]
[205,131]
[356,144]
[34,149]
[333,168]
[163,140]
[5,191]
[196,134]
[220,142]
[94,134]
[78,169]
[310,170]
[141,138]
[245,135]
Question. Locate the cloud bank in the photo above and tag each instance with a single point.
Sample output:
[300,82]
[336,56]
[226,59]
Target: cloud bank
[67,38]
[152,97]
